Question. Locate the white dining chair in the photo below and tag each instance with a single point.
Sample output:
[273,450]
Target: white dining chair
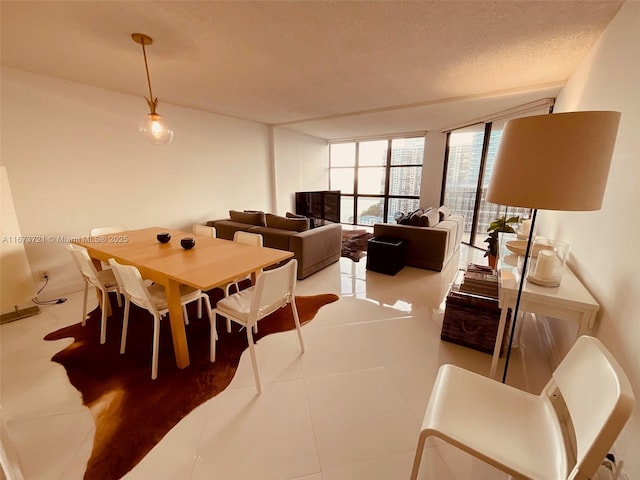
[98,231]
[521,433]
[204,231]
[102,231]
[274,289]
[103,280]
[153,299]
[245,238]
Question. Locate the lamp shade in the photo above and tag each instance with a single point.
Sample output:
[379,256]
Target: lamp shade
[554,162]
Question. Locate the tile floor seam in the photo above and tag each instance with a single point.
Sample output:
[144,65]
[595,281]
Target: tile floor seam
[89,437]
[313,428]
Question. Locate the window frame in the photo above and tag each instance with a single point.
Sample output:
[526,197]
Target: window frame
[388,167]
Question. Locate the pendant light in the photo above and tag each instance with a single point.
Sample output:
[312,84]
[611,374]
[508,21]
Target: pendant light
[153,126]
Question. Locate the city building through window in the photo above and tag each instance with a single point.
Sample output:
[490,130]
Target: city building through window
[471,152]
[376,178]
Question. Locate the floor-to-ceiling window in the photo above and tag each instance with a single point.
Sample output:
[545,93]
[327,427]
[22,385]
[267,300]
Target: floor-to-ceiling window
[471,151]
[376,178]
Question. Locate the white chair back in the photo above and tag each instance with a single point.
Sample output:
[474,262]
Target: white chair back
[85,265]
[95,232]
[274,289]
[204,231]
[132,284]
[248,238]
[599,399]
[524,434]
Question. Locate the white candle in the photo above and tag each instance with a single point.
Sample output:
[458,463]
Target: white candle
[526,228]
[545,265]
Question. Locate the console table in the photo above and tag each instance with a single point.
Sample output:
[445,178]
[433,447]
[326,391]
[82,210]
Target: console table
[569,301]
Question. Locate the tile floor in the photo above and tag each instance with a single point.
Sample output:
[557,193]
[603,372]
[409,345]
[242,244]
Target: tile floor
[349,408]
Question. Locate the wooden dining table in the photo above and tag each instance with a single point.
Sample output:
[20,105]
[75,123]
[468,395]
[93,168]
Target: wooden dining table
[213,262]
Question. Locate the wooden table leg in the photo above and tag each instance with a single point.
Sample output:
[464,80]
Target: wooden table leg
[180,347]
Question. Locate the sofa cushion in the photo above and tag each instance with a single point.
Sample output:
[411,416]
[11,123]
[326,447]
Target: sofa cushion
[292,224]
[444,212]
[226,228]
[274,237]
[251,218]
[430,218]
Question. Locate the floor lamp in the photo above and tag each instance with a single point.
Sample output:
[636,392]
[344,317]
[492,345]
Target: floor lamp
[552,162]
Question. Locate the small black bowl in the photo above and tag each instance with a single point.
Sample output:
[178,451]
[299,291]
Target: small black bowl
[187,243]
[163,237]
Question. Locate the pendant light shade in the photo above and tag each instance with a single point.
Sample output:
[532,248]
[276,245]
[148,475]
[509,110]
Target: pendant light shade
[153,125]
[556,161]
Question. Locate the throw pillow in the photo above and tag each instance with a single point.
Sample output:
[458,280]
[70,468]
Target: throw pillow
[414,219]
[312,221]
[400,218]
[444,212]
[256,218]
[291,224]
[430,218]
[294,215]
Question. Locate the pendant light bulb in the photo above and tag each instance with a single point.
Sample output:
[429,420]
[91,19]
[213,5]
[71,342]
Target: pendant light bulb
[152,126]
[155,129]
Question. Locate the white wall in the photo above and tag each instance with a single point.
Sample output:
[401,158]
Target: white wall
[604,243]
[301,164]
[77,161]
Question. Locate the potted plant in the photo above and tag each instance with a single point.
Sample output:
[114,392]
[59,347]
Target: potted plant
[500,224]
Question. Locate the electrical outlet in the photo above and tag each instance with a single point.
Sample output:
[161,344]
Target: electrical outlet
[44,275]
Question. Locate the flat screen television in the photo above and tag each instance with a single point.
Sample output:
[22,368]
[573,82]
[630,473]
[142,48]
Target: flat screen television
[323,205]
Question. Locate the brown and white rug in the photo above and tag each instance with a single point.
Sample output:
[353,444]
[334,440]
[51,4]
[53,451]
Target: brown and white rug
[354,244]
[132,412]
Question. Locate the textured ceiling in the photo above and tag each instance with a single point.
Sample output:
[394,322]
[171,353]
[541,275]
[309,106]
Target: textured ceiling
[330,69]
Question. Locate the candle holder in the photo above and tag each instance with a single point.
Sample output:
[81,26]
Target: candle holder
[523,228]
[546,265]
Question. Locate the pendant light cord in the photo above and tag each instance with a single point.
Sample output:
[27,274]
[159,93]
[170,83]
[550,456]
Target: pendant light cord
[146,67]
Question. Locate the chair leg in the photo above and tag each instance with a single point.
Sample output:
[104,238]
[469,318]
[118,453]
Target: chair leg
[156,345]
[200,308]
[418,458]
[185,315]
[118,299]
[226,294]
[213,336]
[103,319]
[84,304]
[294,308]
[125,325]
[254,363]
